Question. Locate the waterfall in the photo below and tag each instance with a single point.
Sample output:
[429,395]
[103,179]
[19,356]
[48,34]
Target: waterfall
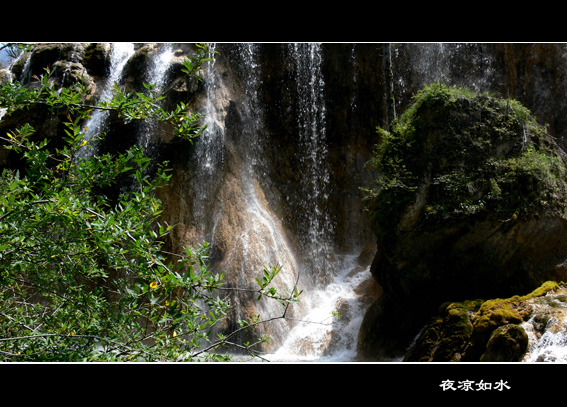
[315,186]
[72,59]
[210,153]
[547,329]
[97,124]
[262,240]
[228,193]
[229,207]
[332,310]
[328,330]
[234,208]
[415,65]
[25,76]
[156,75]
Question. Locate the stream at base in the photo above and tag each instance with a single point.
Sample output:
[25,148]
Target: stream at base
[547,329]
[328,329]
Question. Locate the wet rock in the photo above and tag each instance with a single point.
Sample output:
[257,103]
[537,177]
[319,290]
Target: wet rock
[471,204]
[447,336]
[508,343]
[473,331]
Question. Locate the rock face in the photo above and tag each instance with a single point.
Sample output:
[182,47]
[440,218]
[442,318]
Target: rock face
[276,177]
[481,331]
[471,205]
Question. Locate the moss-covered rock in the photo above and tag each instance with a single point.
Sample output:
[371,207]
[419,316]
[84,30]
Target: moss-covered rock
[472,331]
[446,337]
[508,343]
[471,203]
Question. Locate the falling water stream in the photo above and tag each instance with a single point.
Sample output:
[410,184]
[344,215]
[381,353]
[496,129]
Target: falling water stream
[156,76]
[328,328]
[326,322]
[97,124]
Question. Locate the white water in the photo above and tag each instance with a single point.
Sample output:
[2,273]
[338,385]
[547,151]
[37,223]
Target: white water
[313,154]
[317,334]
[328,330]
[313,333]
[328,279]
[262,240]
[547,329]
[96,125]
[155,75]
[209,148]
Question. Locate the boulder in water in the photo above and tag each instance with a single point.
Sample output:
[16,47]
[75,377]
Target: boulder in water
[473,331]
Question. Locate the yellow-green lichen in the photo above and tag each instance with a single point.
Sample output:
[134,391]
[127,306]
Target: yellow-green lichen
[514,310]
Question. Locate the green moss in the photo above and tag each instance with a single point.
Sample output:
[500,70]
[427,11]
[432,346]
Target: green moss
[477,155]
[446,337]
[548,286]
[494,313]
[463,330]
[508,343]
[514,310]
[470,305]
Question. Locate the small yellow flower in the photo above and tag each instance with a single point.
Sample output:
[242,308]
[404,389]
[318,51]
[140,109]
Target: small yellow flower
[83,143]
[153,285]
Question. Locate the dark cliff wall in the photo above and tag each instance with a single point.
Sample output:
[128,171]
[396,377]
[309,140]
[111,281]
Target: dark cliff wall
[533,74]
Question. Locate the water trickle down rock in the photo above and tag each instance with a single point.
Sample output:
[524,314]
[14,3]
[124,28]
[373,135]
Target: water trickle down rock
[235,188]
[98,123]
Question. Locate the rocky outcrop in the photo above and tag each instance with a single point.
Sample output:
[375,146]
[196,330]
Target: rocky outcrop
[471,204]
[479,331]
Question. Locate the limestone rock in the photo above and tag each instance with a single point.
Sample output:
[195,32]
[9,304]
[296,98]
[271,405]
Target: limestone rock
[471,204]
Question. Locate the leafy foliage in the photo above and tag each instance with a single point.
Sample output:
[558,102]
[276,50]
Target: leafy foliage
[84,277]
[467,154]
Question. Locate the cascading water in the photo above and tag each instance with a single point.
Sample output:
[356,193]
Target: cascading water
[276,248]
[155,76]
[262,239]
[547,328]
[210,153]
[258,236]
[230,200]
[97,124]
[328,330]
[332,311]
[229,209]
[313,155]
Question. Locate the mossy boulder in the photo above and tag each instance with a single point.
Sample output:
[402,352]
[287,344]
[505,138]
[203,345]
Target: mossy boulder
[447,335]
[508,343]
[471,203]
[473,331]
